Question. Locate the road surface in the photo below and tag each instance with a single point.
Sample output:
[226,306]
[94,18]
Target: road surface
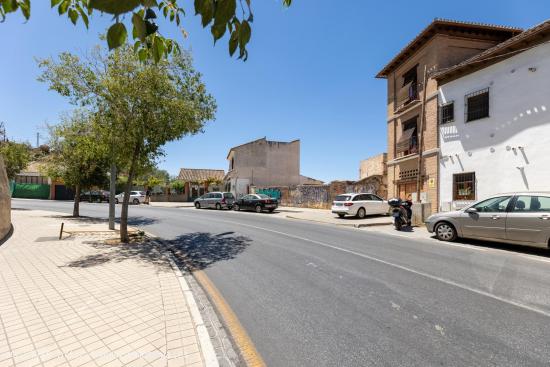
[316,295]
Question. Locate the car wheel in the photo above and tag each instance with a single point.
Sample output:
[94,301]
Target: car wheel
[218,206]
[361,213]
[258,208]
[197,205]
[236,207]
[116,201]
[445,232]
[341,215]
[271,210]
[135,201]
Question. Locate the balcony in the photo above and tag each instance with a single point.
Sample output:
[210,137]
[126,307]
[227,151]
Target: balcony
[407,144]
[408,94]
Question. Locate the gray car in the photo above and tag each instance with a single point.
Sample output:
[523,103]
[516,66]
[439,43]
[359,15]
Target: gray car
[215,200]
[519,218]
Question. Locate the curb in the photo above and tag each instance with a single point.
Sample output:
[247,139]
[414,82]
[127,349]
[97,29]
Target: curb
[207,348]
[362,225]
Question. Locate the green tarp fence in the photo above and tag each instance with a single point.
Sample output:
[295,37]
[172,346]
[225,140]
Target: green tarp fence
[12,187]
[31,191]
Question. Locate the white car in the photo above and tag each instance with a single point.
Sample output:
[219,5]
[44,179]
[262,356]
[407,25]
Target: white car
[359,205]
[136,197]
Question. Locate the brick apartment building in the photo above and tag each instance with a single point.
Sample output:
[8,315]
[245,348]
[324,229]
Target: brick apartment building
[444,43]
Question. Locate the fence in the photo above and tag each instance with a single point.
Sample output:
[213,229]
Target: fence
[31,191]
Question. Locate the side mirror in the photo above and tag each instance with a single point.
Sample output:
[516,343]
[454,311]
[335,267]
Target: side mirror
[471,210]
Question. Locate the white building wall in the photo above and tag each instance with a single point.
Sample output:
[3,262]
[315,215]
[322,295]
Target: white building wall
[510,150]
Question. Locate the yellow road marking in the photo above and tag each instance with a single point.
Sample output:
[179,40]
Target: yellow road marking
[245,345]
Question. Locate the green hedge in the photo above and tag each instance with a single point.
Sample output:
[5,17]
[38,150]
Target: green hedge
[31,191]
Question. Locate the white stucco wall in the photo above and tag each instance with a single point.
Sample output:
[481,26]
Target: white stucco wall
[510,150]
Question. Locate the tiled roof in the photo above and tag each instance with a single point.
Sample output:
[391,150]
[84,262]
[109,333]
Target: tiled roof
[198,175]
[508,48]
[430,30]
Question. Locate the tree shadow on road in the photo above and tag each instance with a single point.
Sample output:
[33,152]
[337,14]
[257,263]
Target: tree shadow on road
[195,251]
[200,250]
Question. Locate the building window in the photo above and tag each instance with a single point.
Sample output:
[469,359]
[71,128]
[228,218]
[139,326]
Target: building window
[447,113]
[409,90]
[477,105]
[464,185]
[408,142]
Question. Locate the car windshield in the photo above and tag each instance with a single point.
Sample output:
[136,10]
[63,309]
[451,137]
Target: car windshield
[263,196]
[229,195]
[342,198]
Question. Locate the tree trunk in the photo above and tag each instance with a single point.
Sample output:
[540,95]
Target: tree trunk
[112,188]
[124,211]
[76,207]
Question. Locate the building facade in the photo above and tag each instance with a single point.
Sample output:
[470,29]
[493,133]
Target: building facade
[495,121]
[263,163]
[413,145]
[198,181]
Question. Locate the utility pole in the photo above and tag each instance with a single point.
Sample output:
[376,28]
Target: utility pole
[421,135]
[37,139]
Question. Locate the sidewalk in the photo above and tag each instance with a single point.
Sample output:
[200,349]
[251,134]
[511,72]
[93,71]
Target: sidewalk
[83,302]
[326,216]
[166,204]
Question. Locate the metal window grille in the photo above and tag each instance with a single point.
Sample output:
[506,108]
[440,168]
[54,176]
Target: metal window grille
[477,105]
[447,112]
[464,186]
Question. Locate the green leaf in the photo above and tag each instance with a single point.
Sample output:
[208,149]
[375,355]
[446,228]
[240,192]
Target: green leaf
[198,6]
[73,15]
[140,31]
[218,30]
[244,34]
[116,35]
[142,54]
[26,8]
[149,3]
[225,10]
[63,7]
[114,6]
[137,45]
[233,42]
[83,16]
[158,49]
[165,11]
[55,2]
[9,6]
[207,12]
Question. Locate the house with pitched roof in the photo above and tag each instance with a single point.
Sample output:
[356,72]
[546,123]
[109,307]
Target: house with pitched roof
[412,101]
[494,121]
[198,181]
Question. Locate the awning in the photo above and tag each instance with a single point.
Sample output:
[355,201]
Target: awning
[404,143]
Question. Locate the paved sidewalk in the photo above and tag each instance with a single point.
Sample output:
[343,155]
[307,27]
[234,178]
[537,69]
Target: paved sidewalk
[83,302]
[166,204]
[326,216]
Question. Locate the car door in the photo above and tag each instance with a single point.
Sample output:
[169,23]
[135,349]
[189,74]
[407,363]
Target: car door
[529,220]
[378,205]
[489,221]
[207,199]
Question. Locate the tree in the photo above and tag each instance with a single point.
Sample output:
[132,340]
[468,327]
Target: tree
[219,15]
[178,185]
[145,104]
[16,157]
[77,155]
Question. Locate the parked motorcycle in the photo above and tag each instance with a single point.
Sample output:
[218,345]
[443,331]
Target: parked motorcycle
[401,212]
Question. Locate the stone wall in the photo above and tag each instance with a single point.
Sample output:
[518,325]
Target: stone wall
[320,196]
[5,202]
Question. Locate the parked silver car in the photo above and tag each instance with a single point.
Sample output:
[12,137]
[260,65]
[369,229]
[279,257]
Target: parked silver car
[518,218]
[217,200]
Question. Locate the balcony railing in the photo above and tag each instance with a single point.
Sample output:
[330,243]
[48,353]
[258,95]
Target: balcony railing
[407,94]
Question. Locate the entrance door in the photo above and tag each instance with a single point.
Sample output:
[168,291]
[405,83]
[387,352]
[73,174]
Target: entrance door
[405,189]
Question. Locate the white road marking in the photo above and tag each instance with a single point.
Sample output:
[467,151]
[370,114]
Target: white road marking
[405,268]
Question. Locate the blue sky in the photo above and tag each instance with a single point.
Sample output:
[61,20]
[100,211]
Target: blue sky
[310,74]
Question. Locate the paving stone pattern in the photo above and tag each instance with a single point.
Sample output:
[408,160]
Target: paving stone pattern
[80,302]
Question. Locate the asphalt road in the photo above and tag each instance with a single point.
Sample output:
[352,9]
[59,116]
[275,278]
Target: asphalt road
[317,295]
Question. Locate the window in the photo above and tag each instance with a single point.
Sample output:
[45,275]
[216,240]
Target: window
[533,204]
[375,198]
[493,205]
[447,112]
[342,198]
[477,105]
[408,143]
[410,76]
[360,198]
[464,185]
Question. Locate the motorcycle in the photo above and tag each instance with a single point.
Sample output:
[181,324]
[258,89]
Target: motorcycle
[401,213]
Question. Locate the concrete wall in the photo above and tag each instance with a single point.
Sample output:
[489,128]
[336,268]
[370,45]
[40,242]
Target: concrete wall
[5,202]
[509,150]
[266,163]
[373,166]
